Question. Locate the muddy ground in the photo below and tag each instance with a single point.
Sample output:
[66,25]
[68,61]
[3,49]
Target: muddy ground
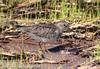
[69,52]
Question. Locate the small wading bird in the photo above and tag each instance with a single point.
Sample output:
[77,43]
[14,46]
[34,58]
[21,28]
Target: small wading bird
[45,32]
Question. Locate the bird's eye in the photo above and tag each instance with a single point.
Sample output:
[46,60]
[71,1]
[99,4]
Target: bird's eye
[65,25]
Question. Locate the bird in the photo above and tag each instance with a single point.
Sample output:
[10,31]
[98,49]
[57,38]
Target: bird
[45,32]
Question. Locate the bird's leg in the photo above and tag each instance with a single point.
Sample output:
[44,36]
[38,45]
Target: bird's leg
[41,49]
[60,40]
[45,49]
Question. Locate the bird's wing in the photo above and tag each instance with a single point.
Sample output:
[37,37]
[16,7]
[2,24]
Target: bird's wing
[48,31]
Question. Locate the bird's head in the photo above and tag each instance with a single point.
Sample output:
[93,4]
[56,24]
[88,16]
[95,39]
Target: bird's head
[63,25]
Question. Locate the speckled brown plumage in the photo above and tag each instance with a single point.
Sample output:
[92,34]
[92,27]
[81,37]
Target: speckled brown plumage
[45,32]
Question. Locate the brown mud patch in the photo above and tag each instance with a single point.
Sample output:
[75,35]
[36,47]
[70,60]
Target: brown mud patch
[70,53]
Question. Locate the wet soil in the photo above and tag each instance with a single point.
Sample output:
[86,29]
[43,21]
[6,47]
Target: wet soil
[67,52]
[73,50]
